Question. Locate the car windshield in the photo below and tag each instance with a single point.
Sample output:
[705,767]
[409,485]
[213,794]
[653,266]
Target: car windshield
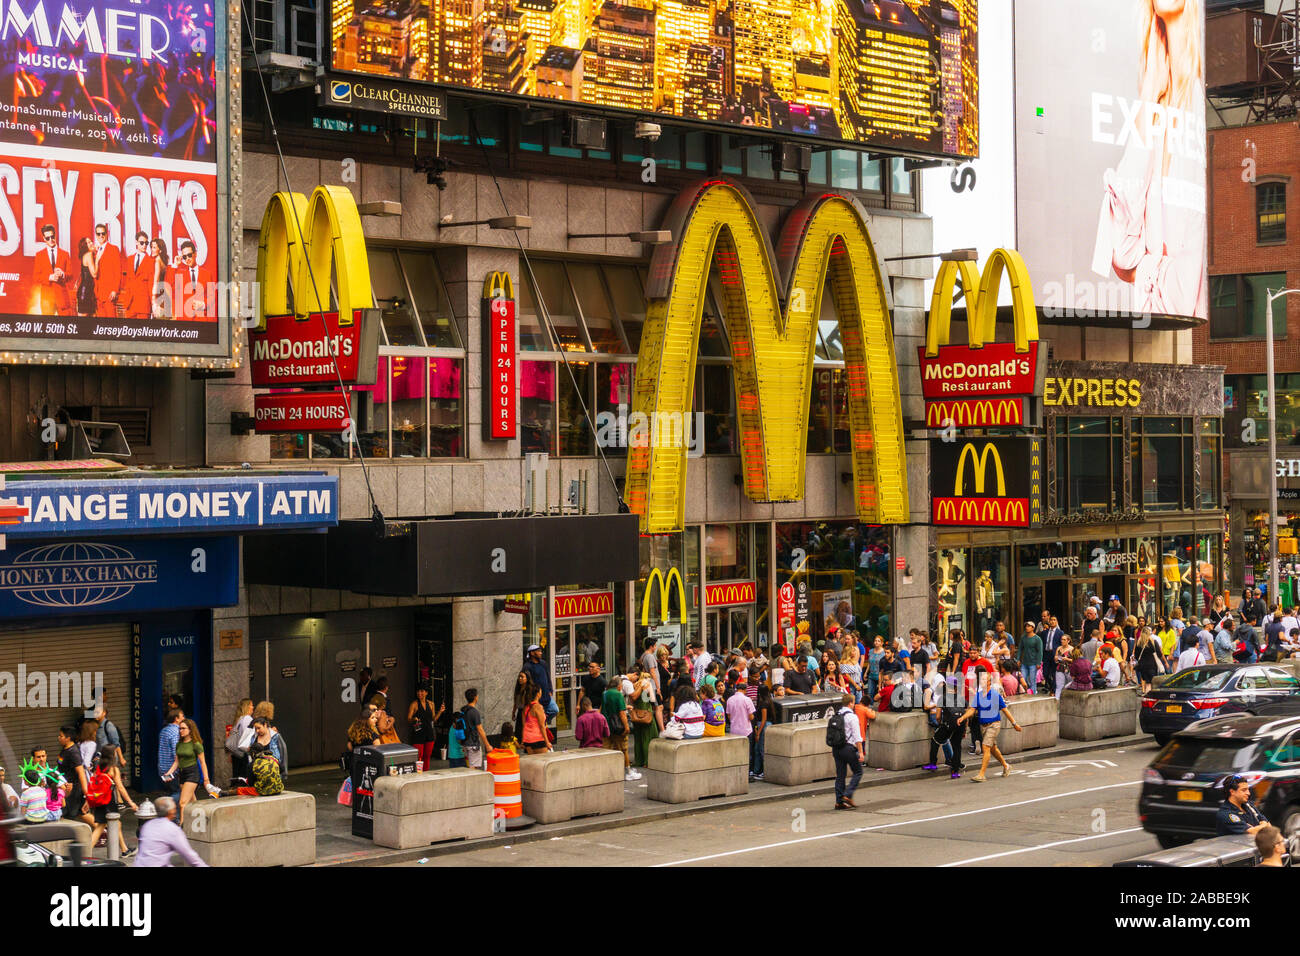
[1193,755]
[1197,678]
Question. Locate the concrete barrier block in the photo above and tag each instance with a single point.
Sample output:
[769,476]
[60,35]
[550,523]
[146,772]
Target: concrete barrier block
[63,848]
[405,831]
[796,753]
[433,791]
[278,830]
[554,806]
[703,753]
[792,771]
[570,769]
[696,784]
[1039,715]
[898,741]
[1097,714]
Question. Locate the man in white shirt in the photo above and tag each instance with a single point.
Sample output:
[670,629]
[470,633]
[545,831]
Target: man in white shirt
[1109,667]
[848,756]
[1289,620]
[1190,657]
[700,665]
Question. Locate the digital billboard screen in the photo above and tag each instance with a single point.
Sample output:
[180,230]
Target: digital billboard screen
[110,145]
[1111,158]
[898,74]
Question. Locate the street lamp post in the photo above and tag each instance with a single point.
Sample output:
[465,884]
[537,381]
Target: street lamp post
[1272,442]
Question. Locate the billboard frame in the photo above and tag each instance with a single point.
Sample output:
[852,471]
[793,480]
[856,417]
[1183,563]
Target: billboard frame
[225,353]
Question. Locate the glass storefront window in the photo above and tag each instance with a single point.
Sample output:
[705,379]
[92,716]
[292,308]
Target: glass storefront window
[1146,584]
[1049,560]
[597,310]
[828,412]
[715,399]
[1211,464]
[444,408]
[839,558]
[430,299]
[844,169]
[561,308]
[1088,462]
[727,551]
[374,440]
[900,179]
[991,570]
[949,592]
[533,336]
[576,437]
[1162,463]
[409,384]
[627,287]
[1178,574]
[537,406]
[674,620]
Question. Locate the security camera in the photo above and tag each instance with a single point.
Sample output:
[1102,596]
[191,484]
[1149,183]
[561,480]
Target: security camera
[648,131]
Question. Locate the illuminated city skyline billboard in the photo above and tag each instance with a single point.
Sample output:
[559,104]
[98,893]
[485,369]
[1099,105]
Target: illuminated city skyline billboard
[892,74]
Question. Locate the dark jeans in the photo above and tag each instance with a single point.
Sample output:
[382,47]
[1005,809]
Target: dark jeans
[846,760]
[756,750]
[934,747]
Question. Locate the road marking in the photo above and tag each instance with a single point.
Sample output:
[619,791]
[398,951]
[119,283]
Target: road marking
[1041,846]
[898,823]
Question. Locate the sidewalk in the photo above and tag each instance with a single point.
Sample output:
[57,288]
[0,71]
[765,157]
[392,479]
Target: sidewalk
[336,846]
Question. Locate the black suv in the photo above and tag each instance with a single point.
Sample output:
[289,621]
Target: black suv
[1183,787]
[1215,690]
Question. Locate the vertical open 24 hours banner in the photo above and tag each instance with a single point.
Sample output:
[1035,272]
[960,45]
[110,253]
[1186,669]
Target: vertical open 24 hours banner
[109,138]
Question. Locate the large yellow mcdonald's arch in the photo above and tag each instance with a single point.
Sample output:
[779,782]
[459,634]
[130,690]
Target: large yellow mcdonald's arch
[982,301]
[771,321]
[303,242]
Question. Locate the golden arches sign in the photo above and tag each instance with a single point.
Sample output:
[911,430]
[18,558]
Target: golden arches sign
[308,242]
[665,592]
[982,292]
[770,309]
[979,464]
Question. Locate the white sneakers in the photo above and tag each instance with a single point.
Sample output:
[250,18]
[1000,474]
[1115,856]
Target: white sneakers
[631,775]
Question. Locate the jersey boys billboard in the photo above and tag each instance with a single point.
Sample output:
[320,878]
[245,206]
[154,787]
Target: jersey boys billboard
[888,73]
[108,173]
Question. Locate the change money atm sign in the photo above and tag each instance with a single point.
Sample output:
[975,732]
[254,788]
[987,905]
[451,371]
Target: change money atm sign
[987,482]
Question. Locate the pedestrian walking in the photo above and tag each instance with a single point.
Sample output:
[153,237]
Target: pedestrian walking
[168,737]
[988,708]
[614,707]
[1147,659]
[939,737]
[74,773]
[160,838]
[844,737]
[540,675]
[191,765]
[762,716]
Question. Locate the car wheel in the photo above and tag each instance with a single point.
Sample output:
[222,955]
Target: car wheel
[1162,739]
[1168,842]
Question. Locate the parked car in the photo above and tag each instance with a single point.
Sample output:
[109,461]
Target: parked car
[1183,786]
[1215,690]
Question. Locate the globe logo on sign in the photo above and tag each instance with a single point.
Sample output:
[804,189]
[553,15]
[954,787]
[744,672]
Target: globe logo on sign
[76,574]
[341,91]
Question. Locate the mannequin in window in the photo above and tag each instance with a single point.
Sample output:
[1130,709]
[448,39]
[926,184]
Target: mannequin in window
[985,595]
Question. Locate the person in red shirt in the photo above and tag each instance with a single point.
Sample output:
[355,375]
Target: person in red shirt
[192,283]
[968,674]
[136,289]
[108,272]
[52,275]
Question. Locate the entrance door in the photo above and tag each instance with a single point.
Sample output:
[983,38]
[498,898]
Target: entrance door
[290,682]
[729,627]
[1081,593]
[576,644]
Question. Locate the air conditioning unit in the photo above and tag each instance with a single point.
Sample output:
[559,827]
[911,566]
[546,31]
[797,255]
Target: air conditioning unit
[587,132]
[792,158]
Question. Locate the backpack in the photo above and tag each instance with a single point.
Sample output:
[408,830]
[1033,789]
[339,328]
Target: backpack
[836,734]
[458,726]
[266,775]
[99,790]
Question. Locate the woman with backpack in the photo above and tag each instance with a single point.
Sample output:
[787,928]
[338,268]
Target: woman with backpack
[535,738]
[104,795]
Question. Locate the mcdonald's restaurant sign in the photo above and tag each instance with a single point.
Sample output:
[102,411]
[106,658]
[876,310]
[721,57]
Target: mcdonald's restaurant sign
[983,384]
[731,592]
[771,305]
[500,364]
[318,341]
[584,604]
[987,482]
[665,590]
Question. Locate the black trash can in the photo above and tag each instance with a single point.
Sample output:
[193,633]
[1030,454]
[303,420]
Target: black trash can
[368,765]
[792,710]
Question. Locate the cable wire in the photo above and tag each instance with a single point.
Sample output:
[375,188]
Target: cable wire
[376,515]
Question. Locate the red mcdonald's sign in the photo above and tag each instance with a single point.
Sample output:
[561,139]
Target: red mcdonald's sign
[731,592]
[584,604]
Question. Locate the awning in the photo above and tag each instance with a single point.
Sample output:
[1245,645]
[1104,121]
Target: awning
[453,556]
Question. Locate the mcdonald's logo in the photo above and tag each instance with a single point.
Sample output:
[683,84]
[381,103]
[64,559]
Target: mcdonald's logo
[965,385]
[665,592]
[1002,490]
[305,242]
[771,306]
[977,413]
[584,604]
[980,460]
[732,592]
[498,285]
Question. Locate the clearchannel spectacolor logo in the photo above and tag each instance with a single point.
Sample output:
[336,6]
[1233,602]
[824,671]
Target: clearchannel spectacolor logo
[340,91]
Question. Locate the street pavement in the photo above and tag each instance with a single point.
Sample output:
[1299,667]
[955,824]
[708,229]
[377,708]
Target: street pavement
[1076,810]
